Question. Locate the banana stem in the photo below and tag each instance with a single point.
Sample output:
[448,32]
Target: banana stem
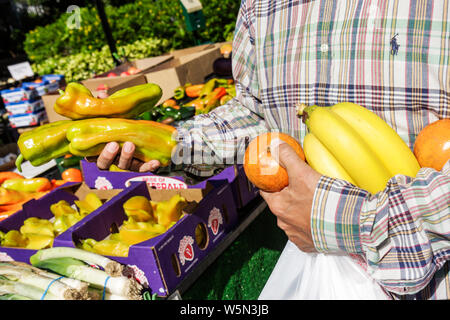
[302,112]
[301,109]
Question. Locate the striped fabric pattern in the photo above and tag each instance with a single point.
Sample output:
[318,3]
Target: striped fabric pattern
[392,57]
[403,232]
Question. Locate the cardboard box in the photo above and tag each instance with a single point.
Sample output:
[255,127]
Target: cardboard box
[104,179]
[144,65]
[41,208]
[193,68]
[243,190]
[147,64]
[114,83]
[162,262]
[187,51]
[49,100]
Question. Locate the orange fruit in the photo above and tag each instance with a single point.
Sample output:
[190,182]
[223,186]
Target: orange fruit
[261,168]
[432,145]
[72,175]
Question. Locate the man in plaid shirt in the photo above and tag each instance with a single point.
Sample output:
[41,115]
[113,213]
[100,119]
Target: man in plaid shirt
[391,57]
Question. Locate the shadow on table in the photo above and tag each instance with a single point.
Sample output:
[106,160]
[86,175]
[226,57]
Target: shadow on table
[242,270]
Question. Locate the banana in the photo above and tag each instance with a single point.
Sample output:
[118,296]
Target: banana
[349,149]
[392,151]
[321,160]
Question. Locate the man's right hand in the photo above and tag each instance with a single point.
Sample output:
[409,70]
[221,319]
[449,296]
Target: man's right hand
[125,160]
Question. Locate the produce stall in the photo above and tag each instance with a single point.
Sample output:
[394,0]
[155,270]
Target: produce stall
[57,204]
[72,231]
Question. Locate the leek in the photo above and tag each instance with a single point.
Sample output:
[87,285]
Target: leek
[17,288]
[74,268]
[98,294]
[112,268]
[80,286]
[12,296]
[25,276]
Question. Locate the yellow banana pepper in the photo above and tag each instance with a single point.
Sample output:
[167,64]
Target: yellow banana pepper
[170,211]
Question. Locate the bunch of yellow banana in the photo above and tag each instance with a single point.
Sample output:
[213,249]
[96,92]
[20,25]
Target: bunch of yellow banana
[349,142]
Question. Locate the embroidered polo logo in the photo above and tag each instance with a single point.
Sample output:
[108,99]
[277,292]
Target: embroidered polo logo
[394,45]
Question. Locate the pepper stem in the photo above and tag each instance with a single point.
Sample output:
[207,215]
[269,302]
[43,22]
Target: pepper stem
[19,161]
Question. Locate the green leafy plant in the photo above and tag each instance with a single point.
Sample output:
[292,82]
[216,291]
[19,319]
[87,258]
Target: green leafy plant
[131,22]
[84,65]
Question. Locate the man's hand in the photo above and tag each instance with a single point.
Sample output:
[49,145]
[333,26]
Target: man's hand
[125,161]
[292,205]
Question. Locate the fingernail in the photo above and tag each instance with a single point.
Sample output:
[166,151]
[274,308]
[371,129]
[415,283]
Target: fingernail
[154,165]
[127,147]
[112,147]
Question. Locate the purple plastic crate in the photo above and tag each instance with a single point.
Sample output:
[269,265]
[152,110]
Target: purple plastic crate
[39,208]
[34,208]
[164,261]
[243,190]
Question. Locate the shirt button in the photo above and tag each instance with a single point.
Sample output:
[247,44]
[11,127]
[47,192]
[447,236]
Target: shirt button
[324,48]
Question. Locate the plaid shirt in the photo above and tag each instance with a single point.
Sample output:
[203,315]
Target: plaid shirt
[391,57]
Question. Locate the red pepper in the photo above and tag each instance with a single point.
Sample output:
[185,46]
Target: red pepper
[219,92]
[194,90]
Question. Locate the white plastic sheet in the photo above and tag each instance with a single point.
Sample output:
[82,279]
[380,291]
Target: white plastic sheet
[318,276]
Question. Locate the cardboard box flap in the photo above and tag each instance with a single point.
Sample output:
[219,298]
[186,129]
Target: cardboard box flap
[182,52]
[144,65]
[191,195]
[147,64]
[114,83]
[80,190]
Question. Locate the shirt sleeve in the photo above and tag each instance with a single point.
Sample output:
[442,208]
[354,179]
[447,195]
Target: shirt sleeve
[221,136]
[403,232]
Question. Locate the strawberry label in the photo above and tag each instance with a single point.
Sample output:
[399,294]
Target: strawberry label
[186,250]
[133,272]
[215,220]
[101,183]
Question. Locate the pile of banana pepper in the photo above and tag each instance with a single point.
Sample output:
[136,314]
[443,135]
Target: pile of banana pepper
[16,190]
[145,219]
[193,99]
[96,121]
[38,233]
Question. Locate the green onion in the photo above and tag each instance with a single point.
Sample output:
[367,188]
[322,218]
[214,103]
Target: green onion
[98,294]
[49,285]
[80,286]
[74,268]
[111,267]
[17,288]
[12,296]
